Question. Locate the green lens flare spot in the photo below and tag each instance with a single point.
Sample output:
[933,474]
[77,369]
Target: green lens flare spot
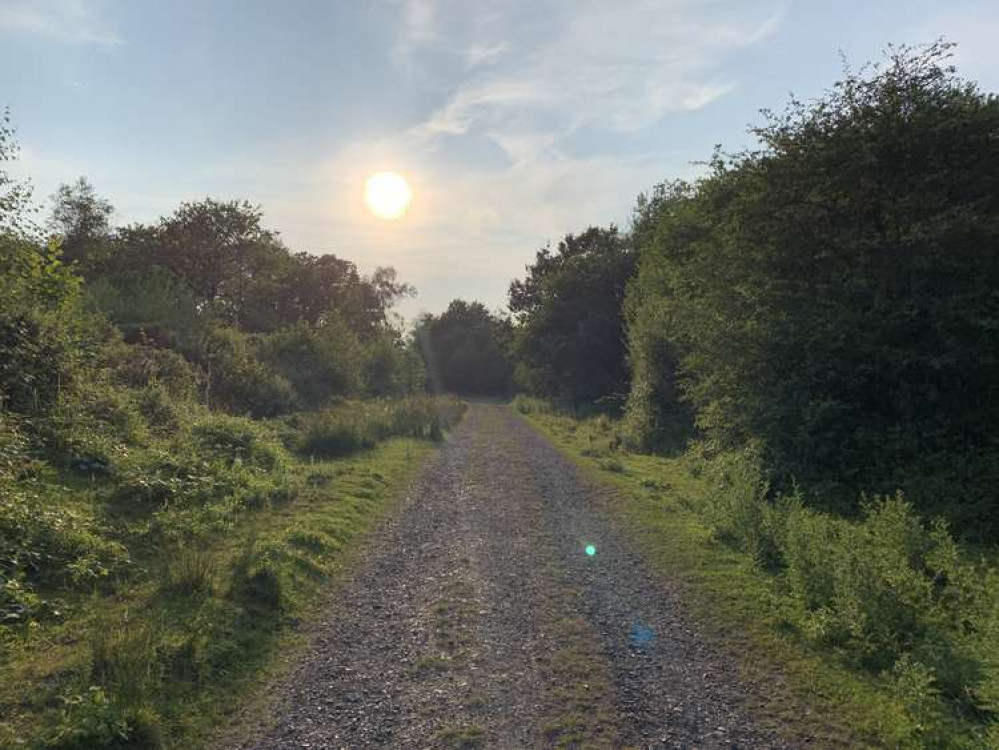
[591,550]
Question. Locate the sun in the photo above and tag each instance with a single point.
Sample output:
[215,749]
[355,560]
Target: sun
[387,195]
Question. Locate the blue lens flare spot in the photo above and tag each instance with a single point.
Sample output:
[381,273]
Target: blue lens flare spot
[641,635]
[591,550]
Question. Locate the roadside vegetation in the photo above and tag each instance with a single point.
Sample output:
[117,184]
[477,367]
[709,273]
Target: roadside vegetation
[799,400]
[196,428]
[881,630]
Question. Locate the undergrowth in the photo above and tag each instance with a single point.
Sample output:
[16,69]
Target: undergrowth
[155,554]
[884,620]
[352,426]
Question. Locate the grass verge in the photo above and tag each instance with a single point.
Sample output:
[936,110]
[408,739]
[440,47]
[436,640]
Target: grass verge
[159,656]
[811,694]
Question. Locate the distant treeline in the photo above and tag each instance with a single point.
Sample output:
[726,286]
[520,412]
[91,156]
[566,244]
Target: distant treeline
[827,298]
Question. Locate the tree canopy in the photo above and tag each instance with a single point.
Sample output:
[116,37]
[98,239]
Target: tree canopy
[465,350]
[570,340]
[832,293]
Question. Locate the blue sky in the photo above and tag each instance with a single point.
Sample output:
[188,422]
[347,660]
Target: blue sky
[515,122]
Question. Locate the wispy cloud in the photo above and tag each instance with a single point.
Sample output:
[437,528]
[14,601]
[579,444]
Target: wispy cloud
[486,54]
[620,66]
[70,21]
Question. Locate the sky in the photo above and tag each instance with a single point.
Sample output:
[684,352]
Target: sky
[514,122]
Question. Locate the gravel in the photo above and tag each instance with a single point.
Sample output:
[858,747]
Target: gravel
[450,633]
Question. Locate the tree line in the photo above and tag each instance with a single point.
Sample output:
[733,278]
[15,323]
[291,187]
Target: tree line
[826,298]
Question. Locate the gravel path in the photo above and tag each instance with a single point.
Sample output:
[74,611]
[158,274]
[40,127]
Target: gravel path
[479,620]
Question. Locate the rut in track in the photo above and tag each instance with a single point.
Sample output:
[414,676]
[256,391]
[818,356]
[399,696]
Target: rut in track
[478,620]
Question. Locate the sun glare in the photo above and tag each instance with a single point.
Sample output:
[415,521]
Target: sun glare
[387,195]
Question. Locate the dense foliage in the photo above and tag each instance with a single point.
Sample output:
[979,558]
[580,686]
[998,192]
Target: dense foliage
[465,350]
[569,340]
[831,295]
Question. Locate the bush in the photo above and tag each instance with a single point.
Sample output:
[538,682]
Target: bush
[142,365]
[162,412]
[176,478]
[39,356]
[355,426]
[41,326]
[155,305]
[321,362]
[15,458]
[736,505]
[887,590]
[47,543]
[238,381]
[236,440]
[95,721]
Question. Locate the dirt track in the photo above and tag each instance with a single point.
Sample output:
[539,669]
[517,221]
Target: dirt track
[478,619]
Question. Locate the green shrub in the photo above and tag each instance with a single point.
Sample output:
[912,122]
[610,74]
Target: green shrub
[736,504]
[236,379]
[93,427]
[866,583]
[94,721]
[176,478]
[354,426]
[322,362]
[162,412]
[45,542]
[155,304]
[42,330]
[39,357]
[237,440]
[142,365]
[388,369]
[15,457]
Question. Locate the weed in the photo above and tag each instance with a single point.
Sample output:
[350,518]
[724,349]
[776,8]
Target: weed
[461,737]
[356,426]
[612,465]
[190,570]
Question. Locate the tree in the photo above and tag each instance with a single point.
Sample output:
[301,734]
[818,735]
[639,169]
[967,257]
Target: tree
[15,195]
[82,221]
[214,246]
[657,416]
[465,350]
[831,295]
[570,341]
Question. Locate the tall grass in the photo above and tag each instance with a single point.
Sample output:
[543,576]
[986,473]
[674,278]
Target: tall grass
[357,425]
[889,592]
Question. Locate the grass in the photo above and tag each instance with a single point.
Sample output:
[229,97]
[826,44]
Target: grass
[357,425]
[181,607]
[461,737]
[811,691]
[580,714]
